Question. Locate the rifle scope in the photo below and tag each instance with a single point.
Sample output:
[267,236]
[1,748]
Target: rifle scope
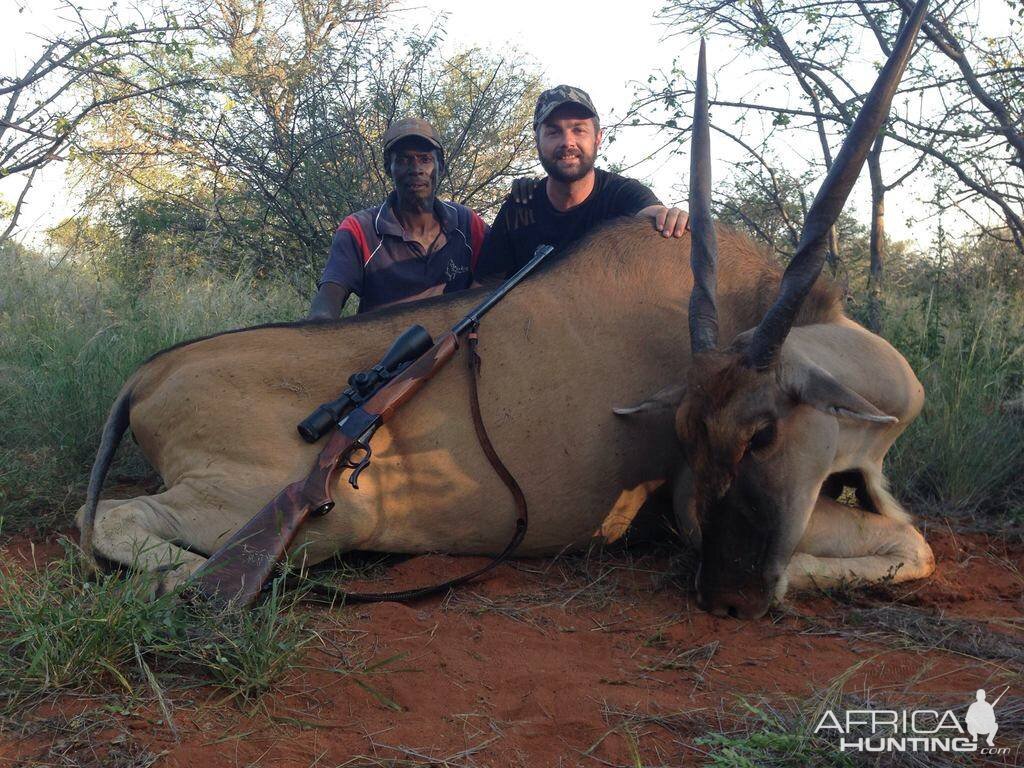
[413,342]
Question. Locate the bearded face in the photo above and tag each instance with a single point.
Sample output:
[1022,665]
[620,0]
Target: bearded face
[567,143]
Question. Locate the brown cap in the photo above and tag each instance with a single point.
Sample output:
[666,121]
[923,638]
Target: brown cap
[411,126]
[555,97]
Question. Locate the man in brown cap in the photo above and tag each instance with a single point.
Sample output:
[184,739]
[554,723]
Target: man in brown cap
[574,197]
[412,245]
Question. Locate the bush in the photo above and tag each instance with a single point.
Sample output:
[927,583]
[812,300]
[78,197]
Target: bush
[68,342]
[964,454]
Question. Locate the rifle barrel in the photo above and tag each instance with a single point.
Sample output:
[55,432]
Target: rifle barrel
[498,294]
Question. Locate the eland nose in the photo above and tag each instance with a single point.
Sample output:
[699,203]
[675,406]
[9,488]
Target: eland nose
[738,605]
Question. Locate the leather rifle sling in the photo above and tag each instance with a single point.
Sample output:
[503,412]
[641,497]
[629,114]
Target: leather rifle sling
[319,592]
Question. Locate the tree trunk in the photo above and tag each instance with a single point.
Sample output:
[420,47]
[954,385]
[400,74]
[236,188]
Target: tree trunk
[875,298]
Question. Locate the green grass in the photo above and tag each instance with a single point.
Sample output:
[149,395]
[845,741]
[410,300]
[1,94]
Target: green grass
[65,630]
[68,342]
[62,631]
[770,738]
[769,732]
[964,454]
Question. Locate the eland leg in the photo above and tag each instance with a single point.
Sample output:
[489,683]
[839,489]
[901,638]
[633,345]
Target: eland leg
[845,544]
[625,510]
[146,533]
[172,533]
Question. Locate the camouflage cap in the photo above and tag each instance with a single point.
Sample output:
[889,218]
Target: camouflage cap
[555,97]
[411,126]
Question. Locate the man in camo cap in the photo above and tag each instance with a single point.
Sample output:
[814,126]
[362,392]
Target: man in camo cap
[574,197]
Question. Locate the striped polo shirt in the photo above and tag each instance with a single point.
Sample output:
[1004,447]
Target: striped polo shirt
[373,256]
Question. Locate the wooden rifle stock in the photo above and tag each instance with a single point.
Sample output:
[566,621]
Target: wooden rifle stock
[237,571]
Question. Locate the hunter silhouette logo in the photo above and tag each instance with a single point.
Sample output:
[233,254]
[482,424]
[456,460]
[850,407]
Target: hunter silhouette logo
[981,717]
[919,730]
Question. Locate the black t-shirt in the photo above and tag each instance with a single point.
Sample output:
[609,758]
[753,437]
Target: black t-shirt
[519,229]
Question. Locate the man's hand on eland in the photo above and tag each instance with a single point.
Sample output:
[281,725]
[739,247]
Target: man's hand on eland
[671,222]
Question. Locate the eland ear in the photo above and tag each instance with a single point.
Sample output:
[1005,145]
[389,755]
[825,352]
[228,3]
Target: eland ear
[816,387]
[664,399]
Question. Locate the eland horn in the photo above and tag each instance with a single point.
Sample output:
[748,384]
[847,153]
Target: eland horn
[806,265]
[703,243]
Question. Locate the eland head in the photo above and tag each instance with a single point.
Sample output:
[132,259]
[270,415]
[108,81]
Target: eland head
[758,418]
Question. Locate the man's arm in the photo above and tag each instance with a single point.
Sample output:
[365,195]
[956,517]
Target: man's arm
[342,275]
[329,301]
[634,199]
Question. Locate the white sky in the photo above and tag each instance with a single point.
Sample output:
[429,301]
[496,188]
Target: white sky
[601,47]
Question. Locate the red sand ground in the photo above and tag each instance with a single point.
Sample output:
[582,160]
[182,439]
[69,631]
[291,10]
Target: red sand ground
[533,667]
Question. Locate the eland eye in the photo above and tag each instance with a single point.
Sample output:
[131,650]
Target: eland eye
[763,438]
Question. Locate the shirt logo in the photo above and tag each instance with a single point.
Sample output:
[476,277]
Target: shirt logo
[453,270]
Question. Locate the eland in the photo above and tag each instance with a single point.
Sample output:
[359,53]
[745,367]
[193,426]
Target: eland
[754,439]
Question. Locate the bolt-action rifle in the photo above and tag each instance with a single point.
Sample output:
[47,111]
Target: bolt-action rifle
[237,571]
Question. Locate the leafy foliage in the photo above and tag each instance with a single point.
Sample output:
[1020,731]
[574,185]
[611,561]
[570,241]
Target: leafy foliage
[953,137]
[67,344]
[770,206]
[97,61]
[255,168]
[965,453]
